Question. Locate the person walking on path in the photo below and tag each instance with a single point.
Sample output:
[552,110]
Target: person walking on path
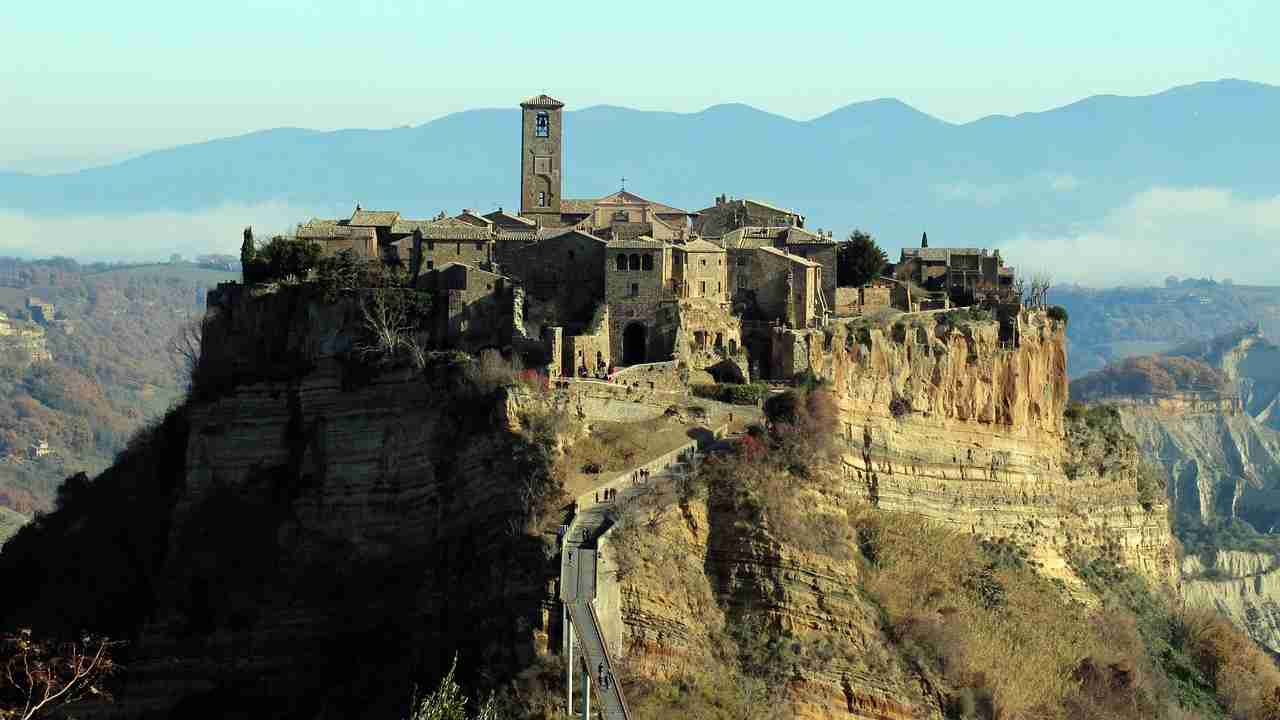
[600,673]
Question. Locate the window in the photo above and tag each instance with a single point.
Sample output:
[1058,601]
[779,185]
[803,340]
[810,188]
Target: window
[703,261]
[702,288]
[430,265]
[542,199]
[479,245]
[635,262]
[431,244]
[542,124]
[570,254]
[635,289]
[648,262]
[742,282]
[620,216]
[622,262]
[457,249]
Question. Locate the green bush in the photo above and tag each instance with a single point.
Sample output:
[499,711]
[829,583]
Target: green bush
[281,258]
[732,393]
[1057,312]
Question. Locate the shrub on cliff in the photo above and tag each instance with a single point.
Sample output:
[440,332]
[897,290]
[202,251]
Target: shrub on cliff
[734,393]
[1057,312]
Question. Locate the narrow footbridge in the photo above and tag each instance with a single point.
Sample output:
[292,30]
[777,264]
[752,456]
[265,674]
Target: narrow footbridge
[591,660]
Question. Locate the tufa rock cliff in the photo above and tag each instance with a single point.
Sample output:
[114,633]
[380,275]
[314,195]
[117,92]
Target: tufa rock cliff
[339,529]
[944,419]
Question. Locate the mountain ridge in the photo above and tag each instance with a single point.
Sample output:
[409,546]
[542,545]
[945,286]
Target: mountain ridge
[878,164]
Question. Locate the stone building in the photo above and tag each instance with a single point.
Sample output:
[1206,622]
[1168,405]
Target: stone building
[820,248]
[540,155]
[701,271]
[448,241]
[638,281]
[334,238]
[624,216]
[773,285]
[730,214]
[381,221]
[562,266]
[475,308]
[959,272]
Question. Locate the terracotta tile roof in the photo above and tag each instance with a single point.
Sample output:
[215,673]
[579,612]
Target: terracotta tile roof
[504,216]
[640,243]
[450,229]
[577,207]
[700,245]
[405,226]
[753,237]
[547,234]
[793,258]
[514,235]
[800,236]
[470,216]
[373,218]
[543,100]
[327,231]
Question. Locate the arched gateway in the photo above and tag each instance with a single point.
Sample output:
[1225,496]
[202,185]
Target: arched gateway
[633,344]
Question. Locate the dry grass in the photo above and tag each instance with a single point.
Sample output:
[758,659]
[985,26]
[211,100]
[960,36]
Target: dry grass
[993,628]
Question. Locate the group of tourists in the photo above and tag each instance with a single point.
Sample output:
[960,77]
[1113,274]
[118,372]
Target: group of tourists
[609,494]
[639,477]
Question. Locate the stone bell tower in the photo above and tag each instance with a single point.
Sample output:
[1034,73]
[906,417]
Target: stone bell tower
[540,155]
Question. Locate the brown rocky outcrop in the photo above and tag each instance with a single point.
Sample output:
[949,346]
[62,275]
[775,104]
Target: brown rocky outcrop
[939,420]
[947,421]
[341,528]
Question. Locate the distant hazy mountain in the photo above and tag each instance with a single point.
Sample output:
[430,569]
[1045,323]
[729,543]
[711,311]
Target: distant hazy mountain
[880,165]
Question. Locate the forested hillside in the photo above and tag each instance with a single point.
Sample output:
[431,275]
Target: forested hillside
[1115,323]
[111,366]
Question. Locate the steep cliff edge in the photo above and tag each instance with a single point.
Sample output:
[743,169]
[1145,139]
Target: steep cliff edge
[943,419]
[1243,586]
[340,527]
[941,432]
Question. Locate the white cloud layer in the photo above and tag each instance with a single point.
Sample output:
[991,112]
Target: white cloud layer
[1189,232]
[144,236]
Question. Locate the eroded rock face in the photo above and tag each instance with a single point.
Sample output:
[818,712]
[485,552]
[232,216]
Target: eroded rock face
[340,531]
[1243,586]
[951,423]
[699,577]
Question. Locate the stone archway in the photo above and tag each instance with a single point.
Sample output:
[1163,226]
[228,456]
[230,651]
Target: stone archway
[634,338]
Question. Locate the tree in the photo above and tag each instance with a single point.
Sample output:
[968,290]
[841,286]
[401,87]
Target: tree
[184,349]
[449,703]
[247,254]
[39,677]
[859,260]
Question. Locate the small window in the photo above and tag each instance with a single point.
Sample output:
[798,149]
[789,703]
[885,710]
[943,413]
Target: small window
[542,199]
[479,245]
[431,244]
[542,124]
[430,265]
[620,216]
[742,282]
[457,249]
[703,261]
[622,262]
[635,262]
[635,289]
[570,254]
[648,262]
[702,288]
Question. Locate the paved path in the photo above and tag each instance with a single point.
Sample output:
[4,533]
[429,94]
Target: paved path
[578,568]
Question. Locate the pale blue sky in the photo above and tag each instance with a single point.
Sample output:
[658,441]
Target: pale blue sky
[83,82]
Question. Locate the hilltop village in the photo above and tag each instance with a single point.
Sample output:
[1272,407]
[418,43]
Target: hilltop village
[594,285]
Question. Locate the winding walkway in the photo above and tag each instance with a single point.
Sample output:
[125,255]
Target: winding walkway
[578,567]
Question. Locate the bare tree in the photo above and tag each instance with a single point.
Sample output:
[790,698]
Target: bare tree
[1038,292]
[41,677]
[386,322]
[185,348]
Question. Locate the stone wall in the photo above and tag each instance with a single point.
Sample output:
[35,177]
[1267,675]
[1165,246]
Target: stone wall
[634,297]
[669,376]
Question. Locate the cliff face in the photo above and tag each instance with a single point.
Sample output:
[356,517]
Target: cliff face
[948,422]
[933,420]
[339,530]
[1243,586]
